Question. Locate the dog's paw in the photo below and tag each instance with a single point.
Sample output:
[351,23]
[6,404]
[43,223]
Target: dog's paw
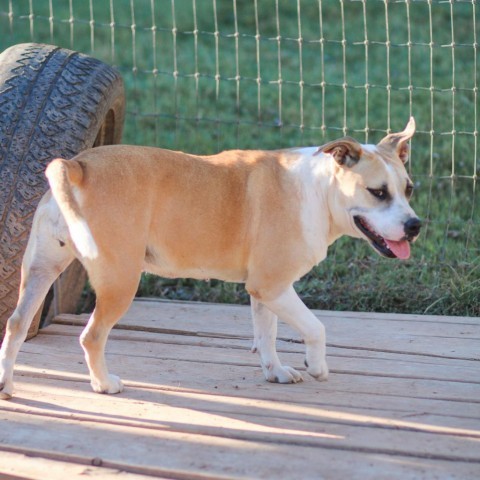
[112,384]
[319,372]
[282,374]
[6,390]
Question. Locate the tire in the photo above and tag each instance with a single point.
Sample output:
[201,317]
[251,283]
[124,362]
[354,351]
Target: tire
[53,103]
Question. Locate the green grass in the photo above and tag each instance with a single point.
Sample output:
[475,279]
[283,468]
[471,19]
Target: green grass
[205,108]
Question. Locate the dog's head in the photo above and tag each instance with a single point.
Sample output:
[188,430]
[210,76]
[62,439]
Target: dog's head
[373,192]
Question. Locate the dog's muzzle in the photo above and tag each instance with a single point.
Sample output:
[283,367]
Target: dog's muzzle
[386,247]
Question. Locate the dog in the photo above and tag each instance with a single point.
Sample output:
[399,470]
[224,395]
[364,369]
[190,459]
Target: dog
[263,218]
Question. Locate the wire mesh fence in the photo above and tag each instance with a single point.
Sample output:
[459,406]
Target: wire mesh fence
[207,75]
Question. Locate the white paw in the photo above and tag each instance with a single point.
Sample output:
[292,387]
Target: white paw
[282,374]
[319,371]
[112,384]
[6,390]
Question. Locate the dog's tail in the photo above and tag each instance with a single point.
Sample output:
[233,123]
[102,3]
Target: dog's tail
[62,175]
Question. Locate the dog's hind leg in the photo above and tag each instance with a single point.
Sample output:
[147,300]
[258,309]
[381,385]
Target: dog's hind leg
[45,258]
[265,335]
[293,311]
[114,293]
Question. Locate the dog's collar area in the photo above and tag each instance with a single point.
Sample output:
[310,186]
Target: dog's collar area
[376,240]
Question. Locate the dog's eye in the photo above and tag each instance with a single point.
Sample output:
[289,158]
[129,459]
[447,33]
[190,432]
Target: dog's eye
[380,193]
[409,190]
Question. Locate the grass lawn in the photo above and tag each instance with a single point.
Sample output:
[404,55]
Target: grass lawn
[206,75]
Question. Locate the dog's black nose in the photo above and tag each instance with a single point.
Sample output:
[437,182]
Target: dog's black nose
[412,227]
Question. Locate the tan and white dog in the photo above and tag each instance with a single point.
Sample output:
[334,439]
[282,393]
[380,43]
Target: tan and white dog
[264,218]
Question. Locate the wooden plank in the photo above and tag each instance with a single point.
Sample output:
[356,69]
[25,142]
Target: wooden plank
[261,421]
[34,466]
[133,363]
[445,412]
[437,319]
[287,346]
[235,319]
[427,413]
[214,350]
[396,335]
[413,396]
[218,455]
[440,445]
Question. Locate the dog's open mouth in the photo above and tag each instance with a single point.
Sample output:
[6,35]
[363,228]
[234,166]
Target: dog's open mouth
[387,248]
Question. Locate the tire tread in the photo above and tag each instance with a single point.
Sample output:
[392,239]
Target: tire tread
[52,104]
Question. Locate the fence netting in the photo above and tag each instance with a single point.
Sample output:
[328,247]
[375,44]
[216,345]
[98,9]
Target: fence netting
[208,75]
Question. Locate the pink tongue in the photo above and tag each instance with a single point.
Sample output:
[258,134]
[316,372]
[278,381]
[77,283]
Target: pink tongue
[400,249]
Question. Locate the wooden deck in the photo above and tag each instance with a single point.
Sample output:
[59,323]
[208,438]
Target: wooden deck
[402,401]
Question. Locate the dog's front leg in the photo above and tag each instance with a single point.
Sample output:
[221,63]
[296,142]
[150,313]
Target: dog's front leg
[293,311]
[265,335]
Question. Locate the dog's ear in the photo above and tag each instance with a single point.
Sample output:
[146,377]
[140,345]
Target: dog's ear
[346,151]
[399,141]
